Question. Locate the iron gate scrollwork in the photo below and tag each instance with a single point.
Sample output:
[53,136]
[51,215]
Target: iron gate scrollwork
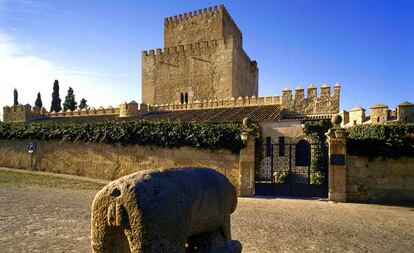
[284,169]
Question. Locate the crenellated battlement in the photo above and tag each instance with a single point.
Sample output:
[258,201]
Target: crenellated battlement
[201,13]
[214,103]
[187,15]
[326,102]
[85,112]
[22,113]
[26,113]
[191,26]
[204,45]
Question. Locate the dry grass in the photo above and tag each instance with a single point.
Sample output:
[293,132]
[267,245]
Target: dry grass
[18,179]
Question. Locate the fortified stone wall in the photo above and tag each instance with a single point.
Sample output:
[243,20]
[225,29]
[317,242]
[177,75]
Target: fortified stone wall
[312,104]
[22,113]
[380,179]
[202,70]
[202,25]
[325,103]
[245,75]
[86,112]
[110,162]
[206,70]
[203,59]
[25,114]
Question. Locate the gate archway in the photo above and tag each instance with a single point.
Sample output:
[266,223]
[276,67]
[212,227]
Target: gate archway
[284,169]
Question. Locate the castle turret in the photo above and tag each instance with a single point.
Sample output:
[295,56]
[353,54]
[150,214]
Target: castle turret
[202,59]
[379,114]
[356,116]
[405,112]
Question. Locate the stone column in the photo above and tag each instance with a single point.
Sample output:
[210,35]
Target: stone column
[246,168]
[246,160]
[337,163]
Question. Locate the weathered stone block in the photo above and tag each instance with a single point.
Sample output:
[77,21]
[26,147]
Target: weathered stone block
[174,210]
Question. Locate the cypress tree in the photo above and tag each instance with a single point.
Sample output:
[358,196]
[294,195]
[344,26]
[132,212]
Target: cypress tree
[83,104]
[16,97]
[38,101]
[55,107]
[70,102]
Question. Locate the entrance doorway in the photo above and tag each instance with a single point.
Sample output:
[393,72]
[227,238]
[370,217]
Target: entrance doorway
[284,169]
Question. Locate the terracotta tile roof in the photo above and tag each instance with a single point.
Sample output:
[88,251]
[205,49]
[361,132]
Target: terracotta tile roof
[262,113]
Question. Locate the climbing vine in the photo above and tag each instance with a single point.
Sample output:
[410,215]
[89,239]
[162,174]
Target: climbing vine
[316,130]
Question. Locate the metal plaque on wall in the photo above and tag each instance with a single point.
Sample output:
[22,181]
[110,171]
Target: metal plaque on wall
[337,159]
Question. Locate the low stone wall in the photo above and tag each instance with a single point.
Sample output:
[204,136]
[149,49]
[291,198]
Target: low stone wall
[110,162]
[380,179]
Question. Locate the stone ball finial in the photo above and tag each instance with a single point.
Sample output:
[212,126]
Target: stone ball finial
[336,120]
[247,122]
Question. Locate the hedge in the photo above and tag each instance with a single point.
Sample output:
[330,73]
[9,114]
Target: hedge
[381,140]
[140,132]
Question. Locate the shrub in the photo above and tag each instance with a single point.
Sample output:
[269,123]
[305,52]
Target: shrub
[381,140]
[140,132]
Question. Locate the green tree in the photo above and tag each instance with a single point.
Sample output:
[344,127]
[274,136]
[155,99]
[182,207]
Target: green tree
[38,101]
[16,97]
[55,107]
[83,104]
[70,102]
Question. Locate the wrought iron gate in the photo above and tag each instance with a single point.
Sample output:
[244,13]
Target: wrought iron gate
[284,169]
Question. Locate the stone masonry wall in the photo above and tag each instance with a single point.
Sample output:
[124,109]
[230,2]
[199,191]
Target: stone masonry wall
[245,75]
[203,70]
[312,103]
[202,59]
[380,179]
[109,162]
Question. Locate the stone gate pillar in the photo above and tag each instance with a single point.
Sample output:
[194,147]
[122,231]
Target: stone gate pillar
[246,167]
[337,164]
[246,160]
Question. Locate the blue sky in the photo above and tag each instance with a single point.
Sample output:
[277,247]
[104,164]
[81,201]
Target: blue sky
[94,46]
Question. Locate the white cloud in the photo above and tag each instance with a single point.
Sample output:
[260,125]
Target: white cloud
[24,6]
[30,74]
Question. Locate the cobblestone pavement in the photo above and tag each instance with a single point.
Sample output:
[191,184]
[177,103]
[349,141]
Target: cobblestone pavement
[53,219]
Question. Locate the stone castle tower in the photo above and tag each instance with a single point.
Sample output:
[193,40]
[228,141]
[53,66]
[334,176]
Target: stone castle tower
[202,59]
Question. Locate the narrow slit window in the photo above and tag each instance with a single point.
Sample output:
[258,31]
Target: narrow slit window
[268,146]
[182,98]
[281,146]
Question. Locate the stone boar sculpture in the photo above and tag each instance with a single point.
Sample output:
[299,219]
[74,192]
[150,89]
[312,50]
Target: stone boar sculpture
[172,210]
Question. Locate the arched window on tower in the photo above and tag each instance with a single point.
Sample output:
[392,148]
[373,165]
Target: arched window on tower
[182,98]
[186,98]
